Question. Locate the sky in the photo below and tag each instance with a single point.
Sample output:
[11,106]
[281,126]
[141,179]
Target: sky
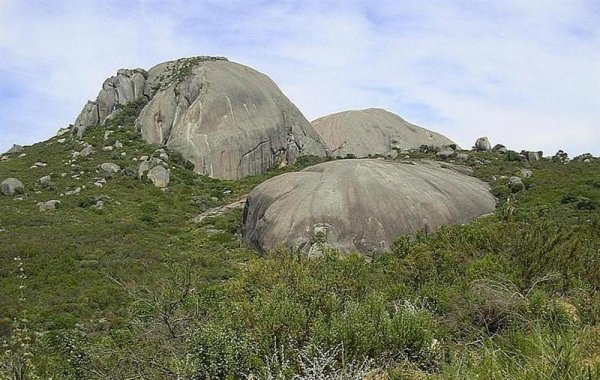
[526,74]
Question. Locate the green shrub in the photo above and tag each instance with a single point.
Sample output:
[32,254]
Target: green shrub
[513,156]
[126,114]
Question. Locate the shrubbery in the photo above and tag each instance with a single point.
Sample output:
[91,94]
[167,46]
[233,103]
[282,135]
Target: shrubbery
[127,114]
[137,290]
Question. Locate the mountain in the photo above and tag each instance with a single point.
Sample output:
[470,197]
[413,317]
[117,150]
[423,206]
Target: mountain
[372,131]
[228,120]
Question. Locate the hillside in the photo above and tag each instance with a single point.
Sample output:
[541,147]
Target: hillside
[133,288]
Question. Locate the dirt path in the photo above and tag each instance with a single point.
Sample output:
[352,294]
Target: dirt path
[216,211]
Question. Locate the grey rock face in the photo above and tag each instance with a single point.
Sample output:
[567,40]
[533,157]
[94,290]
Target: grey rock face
[372,131]
[483,144]
[229,120]
[159,176]
[10,186]
[360,205]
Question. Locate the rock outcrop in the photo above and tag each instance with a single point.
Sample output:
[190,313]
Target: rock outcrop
[372,131]
[229,120]
[531,156]
[360,205]
[126,86]
[15,149]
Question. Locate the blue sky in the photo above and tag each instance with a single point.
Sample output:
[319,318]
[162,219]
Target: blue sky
[526,74]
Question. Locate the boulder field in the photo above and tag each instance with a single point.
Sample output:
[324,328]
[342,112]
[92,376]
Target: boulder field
[360,205]
[229,120]
[372,131]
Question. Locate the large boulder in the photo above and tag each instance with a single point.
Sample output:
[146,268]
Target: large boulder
[483,144]
[360,205]
[373,131]
[229,120]
[11,186]
[159,176]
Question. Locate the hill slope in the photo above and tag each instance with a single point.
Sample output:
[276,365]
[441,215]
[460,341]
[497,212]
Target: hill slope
[132,287]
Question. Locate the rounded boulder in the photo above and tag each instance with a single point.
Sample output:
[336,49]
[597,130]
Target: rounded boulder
[373,131]
[360,205]
[11,186]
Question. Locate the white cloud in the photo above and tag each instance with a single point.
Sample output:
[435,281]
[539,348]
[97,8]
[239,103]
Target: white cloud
[523,73]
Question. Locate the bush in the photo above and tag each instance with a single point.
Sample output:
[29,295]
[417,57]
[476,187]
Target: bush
[87,202]
[309,160]
[579,202]
[513,156]
[127,114]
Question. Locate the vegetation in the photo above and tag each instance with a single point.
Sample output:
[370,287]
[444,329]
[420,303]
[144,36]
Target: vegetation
[135,289]
[127,114]
[182,68]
